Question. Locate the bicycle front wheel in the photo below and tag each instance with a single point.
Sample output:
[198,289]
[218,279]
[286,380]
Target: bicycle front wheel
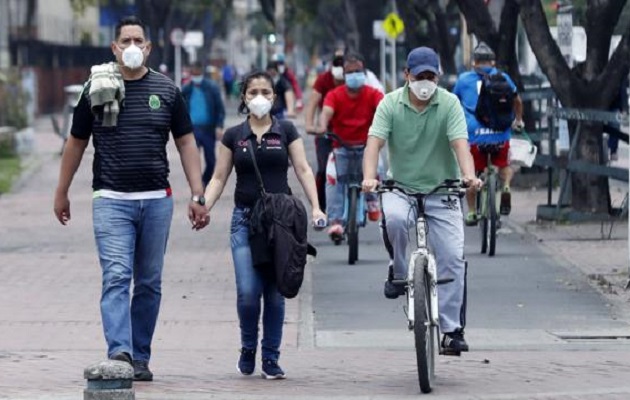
[424,332]
[352,229]
[493,216]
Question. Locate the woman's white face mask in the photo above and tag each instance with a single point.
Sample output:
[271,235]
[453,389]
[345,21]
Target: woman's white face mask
[337,73]
[132,56]
[423,89]
[259,106]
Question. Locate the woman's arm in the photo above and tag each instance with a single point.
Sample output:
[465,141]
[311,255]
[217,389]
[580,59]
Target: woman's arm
[222,172]
[305,176]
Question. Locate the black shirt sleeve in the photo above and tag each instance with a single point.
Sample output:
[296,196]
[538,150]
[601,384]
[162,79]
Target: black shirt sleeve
[180,119]
[229,137]
[290,132]
[82,118]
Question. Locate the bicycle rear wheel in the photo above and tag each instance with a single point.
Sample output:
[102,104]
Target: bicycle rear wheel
[424,332]
[492,214]
[352,227]
[483,218]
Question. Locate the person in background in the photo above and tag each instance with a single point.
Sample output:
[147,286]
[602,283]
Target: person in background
[132,204]
[289,75]
[207,112]
[228,75]
[348,111]
[277,142]
[284,104]
[467,89]
[325,82]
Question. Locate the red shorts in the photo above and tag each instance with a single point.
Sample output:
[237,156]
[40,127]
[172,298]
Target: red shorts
[499,159]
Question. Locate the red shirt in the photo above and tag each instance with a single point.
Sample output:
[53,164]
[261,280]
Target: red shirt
[353,115]
[324,84]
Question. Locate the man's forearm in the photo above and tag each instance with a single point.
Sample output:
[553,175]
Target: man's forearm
[70,161]
[370,158]
[191,163]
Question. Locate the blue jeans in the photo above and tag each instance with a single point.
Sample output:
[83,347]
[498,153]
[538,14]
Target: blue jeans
[205,136]
[335,194]
[131,237]
[251,285]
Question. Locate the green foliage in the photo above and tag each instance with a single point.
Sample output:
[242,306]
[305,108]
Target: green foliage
[13,100]
[9,171]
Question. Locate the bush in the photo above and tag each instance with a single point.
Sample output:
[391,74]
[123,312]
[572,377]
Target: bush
[13,100]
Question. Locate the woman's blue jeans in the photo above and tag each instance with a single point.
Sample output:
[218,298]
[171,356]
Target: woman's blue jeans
[131,237]
[251,286]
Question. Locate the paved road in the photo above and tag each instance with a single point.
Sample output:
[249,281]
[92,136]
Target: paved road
[50,325]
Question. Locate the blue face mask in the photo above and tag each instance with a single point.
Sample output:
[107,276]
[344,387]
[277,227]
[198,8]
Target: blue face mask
[355,80]
[484,70]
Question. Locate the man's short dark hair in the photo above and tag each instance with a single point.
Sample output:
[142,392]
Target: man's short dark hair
[128,21]
[353,57]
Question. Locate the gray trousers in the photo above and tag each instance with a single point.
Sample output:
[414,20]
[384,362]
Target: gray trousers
[446,240]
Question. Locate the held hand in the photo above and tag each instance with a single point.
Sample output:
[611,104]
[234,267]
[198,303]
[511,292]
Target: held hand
[198,216]
[369,185]
[472,183]
[218,134]
[62,208]
[317,217]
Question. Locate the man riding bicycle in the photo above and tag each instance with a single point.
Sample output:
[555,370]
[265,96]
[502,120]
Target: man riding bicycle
[349,109]
[425,130]
[485,136]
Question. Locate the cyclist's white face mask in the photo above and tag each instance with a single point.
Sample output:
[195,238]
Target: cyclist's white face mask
[423,89]
[337,73]
[132,56]
[259,106]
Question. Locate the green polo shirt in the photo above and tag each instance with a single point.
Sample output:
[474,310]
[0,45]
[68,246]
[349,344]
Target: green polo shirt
[420,155]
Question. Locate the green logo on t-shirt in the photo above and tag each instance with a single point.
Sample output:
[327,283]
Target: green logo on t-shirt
[154,102]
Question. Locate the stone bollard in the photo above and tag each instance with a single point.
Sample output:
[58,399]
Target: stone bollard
[109,380]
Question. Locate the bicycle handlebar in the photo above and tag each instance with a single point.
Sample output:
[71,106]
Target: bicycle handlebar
[450,186]
[336,138]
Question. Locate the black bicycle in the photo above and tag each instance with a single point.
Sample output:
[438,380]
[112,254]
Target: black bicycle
[354,207]
[486,204]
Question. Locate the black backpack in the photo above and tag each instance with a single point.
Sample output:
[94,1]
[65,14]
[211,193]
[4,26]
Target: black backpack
[495,104]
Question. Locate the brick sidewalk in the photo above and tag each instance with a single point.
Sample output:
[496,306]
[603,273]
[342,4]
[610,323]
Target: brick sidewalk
[50,323]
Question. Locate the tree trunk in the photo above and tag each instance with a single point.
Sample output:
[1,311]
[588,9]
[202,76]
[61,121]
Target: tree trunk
[576,87]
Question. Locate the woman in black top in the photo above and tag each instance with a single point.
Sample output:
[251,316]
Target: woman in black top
[277,142]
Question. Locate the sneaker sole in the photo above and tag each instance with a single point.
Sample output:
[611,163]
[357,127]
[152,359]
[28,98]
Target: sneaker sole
[272,377]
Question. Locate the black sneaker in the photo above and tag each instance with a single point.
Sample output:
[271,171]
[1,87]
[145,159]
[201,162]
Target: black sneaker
[122,356]
[247,361]
[141,371]
[453,343]
[392,290]
[505,206]
[271,370]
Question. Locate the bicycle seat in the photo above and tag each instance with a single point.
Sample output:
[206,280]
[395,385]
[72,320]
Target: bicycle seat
[490,148]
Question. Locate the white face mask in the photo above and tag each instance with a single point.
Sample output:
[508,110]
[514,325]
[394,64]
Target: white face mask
[337,73]
[423,89]
[132,57]
[281,69]
[259,106]
[196,79]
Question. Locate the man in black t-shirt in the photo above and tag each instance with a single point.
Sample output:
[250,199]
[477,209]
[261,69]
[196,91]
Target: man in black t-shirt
[284,105]
[128,111]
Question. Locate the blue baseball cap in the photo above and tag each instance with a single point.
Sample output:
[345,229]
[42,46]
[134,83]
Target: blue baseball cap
[423,59]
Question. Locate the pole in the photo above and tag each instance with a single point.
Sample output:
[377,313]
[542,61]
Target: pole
[628,283]
[383,60]
[178,66]
[394,81]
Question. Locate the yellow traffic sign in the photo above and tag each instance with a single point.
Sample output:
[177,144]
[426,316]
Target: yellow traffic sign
[393,25]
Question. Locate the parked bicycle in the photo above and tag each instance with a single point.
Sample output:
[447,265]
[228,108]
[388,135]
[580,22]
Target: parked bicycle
[422,281]
[486,203]
[354,207]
